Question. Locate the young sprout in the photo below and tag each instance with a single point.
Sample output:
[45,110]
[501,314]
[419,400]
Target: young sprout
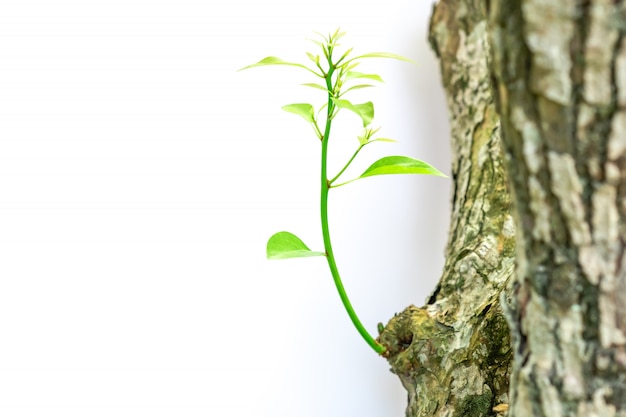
[338,78]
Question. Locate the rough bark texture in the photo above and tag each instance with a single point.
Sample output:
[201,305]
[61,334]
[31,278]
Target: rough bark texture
[537,98]
[560,71]
[453,355]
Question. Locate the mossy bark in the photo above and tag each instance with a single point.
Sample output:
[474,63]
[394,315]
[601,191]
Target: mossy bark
[537,98]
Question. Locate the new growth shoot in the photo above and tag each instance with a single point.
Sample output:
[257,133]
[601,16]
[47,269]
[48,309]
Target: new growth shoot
[337,77]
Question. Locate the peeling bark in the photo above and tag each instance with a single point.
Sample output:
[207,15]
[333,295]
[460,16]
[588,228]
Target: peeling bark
[536,92]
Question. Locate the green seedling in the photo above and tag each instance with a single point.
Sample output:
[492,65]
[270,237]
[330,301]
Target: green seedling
[338,77]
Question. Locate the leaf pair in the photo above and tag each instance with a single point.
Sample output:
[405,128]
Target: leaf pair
[305,110]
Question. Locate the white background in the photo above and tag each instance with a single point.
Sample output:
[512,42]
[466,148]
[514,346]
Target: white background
[140,177]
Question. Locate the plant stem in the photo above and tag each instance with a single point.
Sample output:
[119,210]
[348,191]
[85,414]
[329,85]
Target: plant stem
[347,165]
[380,349]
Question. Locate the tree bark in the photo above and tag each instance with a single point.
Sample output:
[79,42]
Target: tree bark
[560,75]
[453,355]
[537,99]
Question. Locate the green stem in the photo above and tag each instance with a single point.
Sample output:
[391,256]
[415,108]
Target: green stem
[344,183]
[347,165]
[380,349]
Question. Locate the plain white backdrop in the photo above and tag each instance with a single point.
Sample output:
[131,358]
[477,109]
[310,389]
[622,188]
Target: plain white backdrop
[140,177]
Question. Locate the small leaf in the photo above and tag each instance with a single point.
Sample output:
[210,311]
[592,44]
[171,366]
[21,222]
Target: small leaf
[383,55]
[356,87]
[338,35]
[314,58]
[364,139]
[315,85]
[400,165]
[365,111]
[304,110]
[350,75]
[344,55]
[284,245]
[272,60]
[383,140]
[318,43]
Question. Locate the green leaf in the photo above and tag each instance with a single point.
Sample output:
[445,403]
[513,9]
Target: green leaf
[338,35]
[315,85]
[356,87]
[284,245]
[364,139]
[314,58]
[318,43]
[383,55]
[350,75]
[400,165]
[382,140]
[272,60]
[344,56]
[304,110]
[365,111]
[396,165]
[321,35]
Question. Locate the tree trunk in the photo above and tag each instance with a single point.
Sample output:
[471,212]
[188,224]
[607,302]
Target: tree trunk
[560,75]
[453,355]
[537,98]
